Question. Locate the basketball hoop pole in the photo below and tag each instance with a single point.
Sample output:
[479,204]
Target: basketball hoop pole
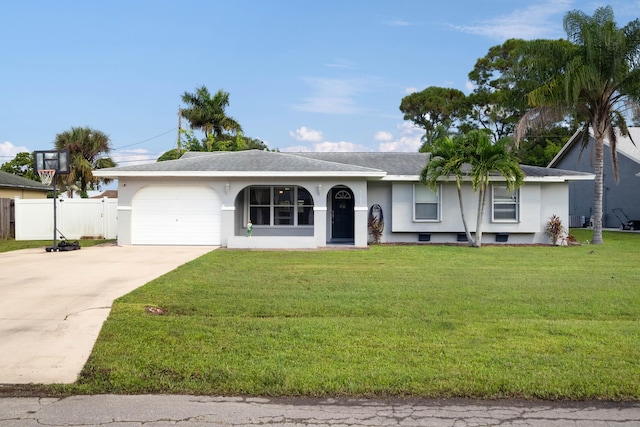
[55,226]
[50,164]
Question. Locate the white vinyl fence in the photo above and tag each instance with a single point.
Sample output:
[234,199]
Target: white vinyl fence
[76,218]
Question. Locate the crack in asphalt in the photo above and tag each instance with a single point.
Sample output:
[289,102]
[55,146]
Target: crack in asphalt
[151,410]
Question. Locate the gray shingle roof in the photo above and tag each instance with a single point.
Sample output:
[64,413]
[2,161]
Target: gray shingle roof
[392,163]
[9,180]
[373,164]
[246,161]
[540,172]
[626,145]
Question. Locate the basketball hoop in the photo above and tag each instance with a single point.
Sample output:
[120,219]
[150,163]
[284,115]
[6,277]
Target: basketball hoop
[46,175]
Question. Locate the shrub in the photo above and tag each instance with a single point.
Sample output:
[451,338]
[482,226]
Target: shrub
[555,229]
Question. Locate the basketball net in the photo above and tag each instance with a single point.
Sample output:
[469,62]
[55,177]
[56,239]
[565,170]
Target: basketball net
[46,175]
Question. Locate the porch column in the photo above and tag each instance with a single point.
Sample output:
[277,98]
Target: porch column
[360,225]
[320,225]
[227,222]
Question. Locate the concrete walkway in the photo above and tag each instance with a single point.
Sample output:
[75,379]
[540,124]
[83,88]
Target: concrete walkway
[53,304]
[191,411]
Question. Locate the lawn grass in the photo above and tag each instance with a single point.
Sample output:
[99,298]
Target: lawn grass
[7,245]
[427,321]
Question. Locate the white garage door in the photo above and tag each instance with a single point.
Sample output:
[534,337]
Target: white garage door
[175,215]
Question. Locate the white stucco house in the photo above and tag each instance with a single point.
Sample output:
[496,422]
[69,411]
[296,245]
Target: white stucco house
[315,200]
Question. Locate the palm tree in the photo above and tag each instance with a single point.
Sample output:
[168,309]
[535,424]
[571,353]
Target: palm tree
[207,113]
[87,149]
[486,160]
[473,156]
[600,81]
[446,160]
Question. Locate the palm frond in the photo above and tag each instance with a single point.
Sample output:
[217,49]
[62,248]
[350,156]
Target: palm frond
[538,118]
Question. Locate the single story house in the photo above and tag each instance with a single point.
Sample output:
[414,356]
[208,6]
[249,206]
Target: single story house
[619,199]
[314,200]
[12,186]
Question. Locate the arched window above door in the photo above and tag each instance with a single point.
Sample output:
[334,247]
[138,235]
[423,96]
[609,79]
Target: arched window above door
[343,195]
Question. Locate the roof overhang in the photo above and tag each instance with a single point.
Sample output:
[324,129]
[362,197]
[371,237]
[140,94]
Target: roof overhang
[560,178]
[400,178]
[563,178]
[238,174]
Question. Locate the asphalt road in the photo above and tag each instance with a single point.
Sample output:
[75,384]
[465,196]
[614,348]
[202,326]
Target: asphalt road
[190,411]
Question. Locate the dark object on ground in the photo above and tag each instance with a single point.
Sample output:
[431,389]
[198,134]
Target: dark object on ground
[626,224]
[64,246]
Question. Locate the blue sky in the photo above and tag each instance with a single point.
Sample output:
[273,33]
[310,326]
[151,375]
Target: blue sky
[302,75]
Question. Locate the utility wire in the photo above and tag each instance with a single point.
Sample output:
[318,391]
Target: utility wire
[173,129]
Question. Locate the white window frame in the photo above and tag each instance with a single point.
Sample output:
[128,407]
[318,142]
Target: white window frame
[502,202]
[438,203]
[296,206]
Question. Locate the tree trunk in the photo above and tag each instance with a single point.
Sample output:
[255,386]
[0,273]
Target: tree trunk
[464,220]
[481,202]
[598,186]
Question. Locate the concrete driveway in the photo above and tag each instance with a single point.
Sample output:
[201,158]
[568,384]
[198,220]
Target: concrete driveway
[53,304]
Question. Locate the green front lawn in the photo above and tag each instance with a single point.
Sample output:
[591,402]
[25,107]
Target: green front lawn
[429,321]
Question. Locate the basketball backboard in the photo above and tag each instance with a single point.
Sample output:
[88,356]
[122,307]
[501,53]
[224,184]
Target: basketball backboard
[52,159]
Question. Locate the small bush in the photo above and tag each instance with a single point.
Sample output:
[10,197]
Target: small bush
[555,229]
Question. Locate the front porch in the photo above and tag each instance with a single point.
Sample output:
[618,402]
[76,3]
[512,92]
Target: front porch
[271,242]
[289,217]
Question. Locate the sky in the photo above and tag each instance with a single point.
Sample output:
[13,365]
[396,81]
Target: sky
[323,75]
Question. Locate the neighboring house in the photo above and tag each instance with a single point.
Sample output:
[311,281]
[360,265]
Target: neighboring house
[619,198]
[12,186]
[109,194]
[313,200]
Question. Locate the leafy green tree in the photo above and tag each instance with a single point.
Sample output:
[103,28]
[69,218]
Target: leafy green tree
[238,142]
[600,80]
[436,110]
[221,132]
[502,78]
[207,113]
[472,156]
[496,100]
[21,165]
[88,150]
[539,149]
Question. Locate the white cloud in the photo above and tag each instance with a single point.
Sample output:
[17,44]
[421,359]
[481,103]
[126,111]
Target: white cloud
[306,134]
[397,22]
[383,136]
[469,86]
[326,147]
[410,90]
[342,63]
[8,151]
[332,96]
[409,139]
[542,20]
[297,149]
[138,156]
[341,146]
[318,144]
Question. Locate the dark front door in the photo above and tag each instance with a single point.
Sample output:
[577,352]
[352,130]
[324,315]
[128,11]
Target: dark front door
[342,214]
